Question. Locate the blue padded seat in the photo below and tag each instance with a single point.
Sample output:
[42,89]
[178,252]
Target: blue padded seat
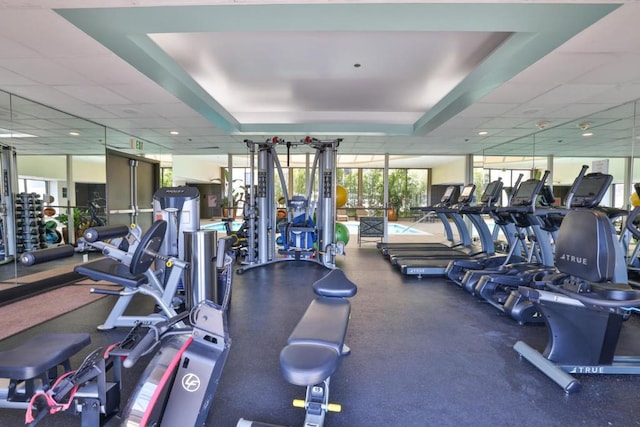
[40,354]
[111,271]
[335,284]
[315,346]
[586,246]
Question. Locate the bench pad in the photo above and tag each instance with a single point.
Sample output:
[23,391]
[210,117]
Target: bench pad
[335,284]
[40,353]
[314,347]
[111,271]
[307,364]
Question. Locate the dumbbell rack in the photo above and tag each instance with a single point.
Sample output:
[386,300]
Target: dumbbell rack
[30,231]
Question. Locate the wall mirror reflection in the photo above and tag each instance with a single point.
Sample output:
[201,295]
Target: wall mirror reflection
[53,167]
[61,160]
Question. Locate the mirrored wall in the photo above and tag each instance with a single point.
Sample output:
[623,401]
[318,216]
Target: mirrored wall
[55,177]
[605,141]
[62,159]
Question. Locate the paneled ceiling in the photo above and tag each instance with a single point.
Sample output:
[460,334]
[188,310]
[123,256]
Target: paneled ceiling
[405,78]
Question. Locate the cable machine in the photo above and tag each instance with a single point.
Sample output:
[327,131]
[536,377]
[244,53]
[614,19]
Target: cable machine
[303,235]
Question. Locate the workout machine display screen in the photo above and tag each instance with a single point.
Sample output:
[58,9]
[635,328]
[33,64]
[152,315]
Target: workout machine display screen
[466,194]
[591,190]
[446,197]
[547,197]
[526,193]
[492,192]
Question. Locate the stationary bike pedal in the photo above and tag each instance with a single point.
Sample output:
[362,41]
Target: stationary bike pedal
[501,298]
[131,339]
[87,364]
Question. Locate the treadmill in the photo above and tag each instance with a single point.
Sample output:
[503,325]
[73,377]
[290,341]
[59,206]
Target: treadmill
[453,213]
[449,197]
[490,197]
[436,265]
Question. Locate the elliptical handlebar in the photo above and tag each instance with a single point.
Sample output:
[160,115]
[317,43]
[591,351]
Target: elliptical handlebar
[574,186]
[631,220]
[151,338]
[514,189]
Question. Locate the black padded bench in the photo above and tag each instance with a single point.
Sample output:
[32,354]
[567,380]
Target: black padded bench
[112,271]
[316,345]
[35,359]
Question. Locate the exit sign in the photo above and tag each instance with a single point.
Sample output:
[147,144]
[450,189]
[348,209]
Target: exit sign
[136,144]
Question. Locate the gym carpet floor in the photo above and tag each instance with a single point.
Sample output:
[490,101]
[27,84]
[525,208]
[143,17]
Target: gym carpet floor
[424,353]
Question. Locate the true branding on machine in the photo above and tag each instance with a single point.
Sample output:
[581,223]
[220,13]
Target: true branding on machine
[573,258]
[587,370]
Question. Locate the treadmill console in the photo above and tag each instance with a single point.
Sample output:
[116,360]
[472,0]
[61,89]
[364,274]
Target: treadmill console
[546,196]
[526,193]
[466,195]
[449,195]
[591,190]
[492,193]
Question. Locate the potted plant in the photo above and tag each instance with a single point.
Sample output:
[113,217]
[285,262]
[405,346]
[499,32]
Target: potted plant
[237,194]
[395,203]
[63,219]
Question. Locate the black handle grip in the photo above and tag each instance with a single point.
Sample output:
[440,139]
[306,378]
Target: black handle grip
[136,352]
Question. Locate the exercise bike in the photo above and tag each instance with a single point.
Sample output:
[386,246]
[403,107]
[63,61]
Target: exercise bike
[176,388]
[583,304]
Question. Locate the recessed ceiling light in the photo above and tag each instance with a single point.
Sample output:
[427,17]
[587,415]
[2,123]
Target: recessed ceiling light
[357,65]
[483,133]
[174,132]
[74,133]
[587,134]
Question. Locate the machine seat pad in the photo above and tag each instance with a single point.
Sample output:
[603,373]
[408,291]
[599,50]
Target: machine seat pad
[307,364]
[615,291]
[111,271]
[41,353]
[335,284]
[314,347]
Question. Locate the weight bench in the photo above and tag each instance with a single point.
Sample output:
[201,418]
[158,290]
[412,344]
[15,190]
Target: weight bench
[33,366]
[316,346]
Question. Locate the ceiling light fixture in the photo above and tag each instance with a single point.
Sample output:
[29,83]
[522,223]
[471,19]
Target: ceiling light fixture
[6,133]
[587,134]
[483,133]
[357,65]
[74,133]
[174,132]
